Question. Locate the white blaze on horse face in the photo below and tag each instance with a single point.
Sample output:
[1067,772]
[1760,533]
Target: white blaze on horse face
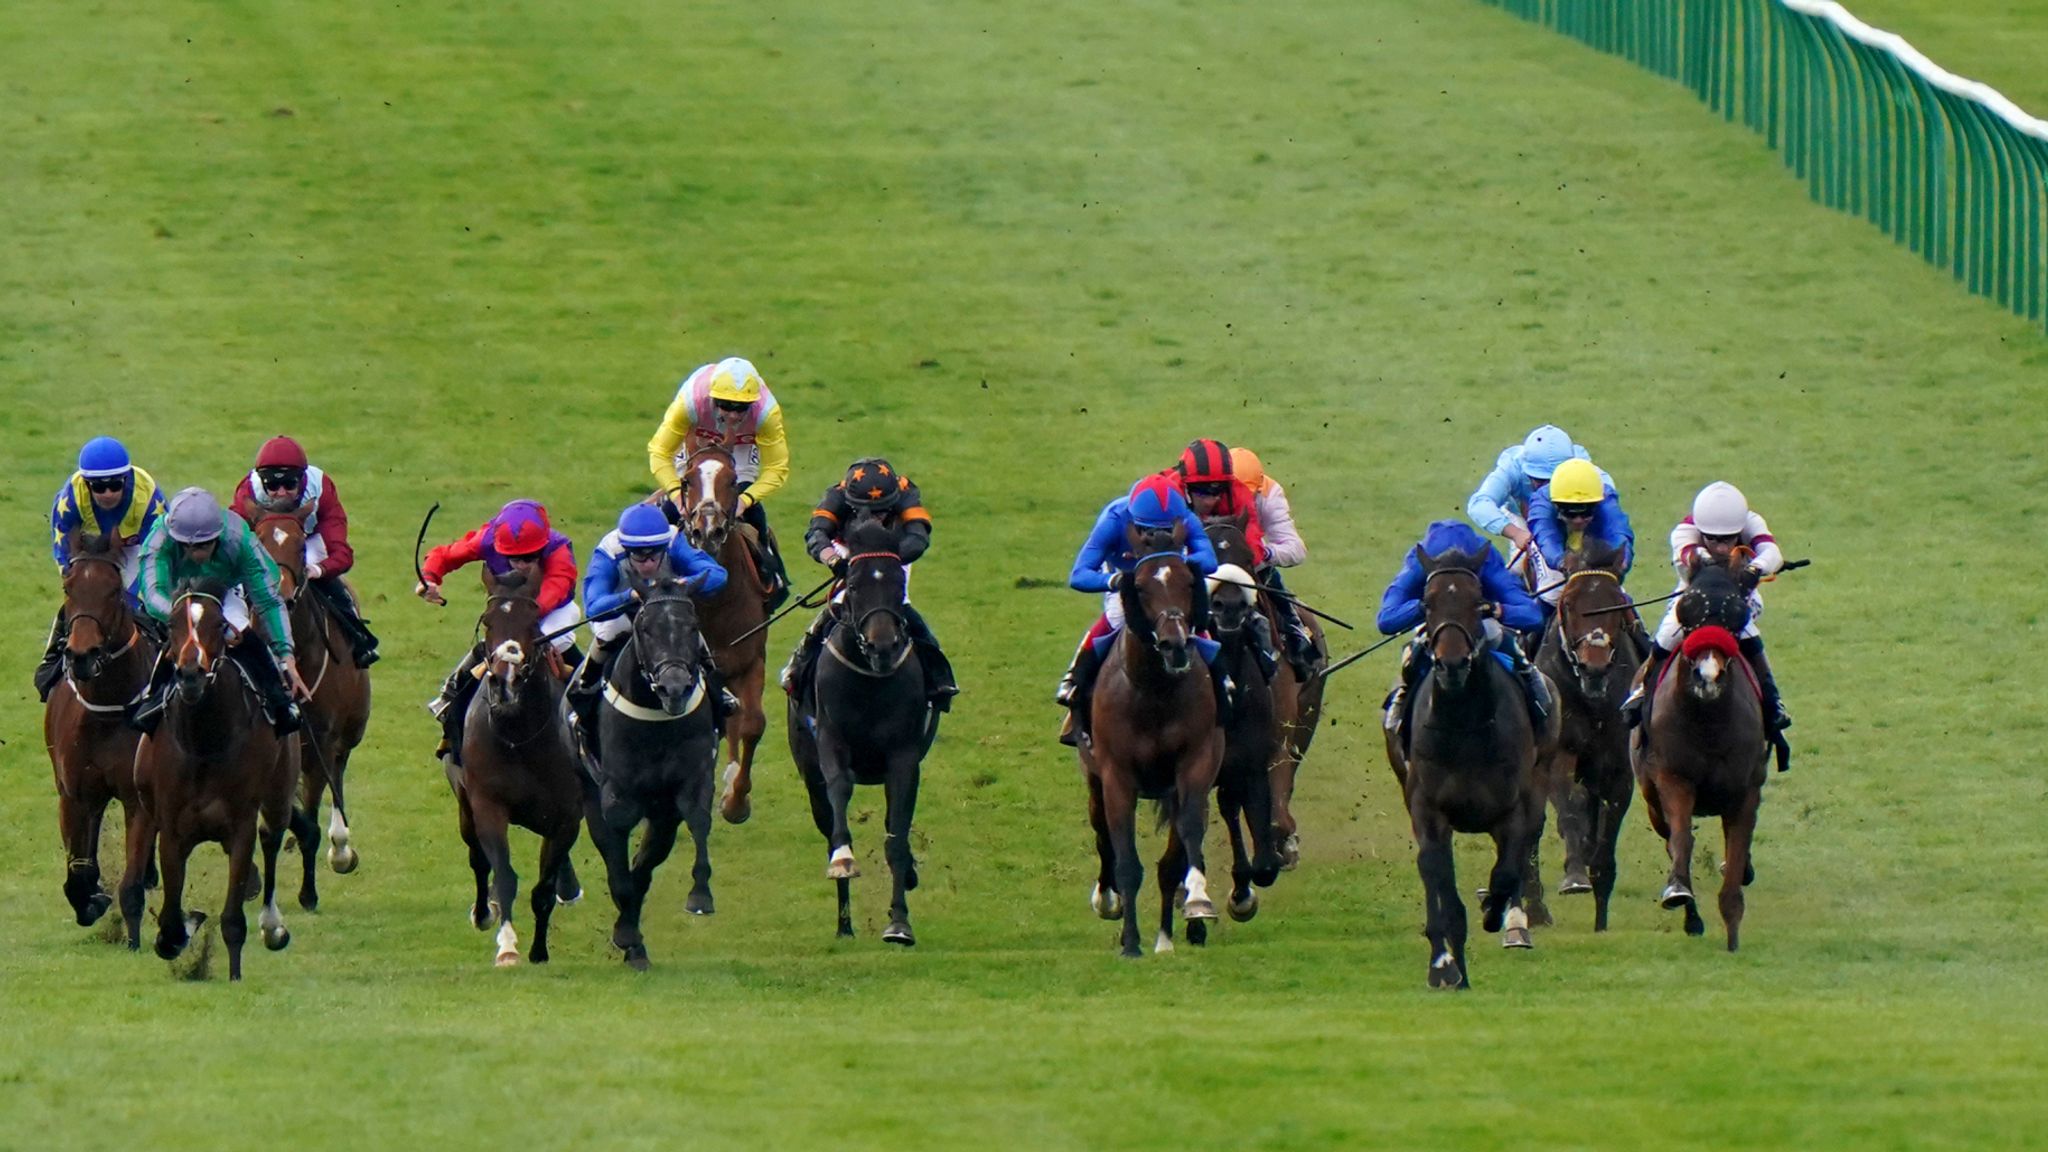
[1161,574]
[1710,667]
[707,477]
[277,535]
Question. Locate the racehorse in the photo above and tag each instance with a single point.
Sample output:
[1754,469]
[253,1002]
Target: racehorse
[1297,707]
[864,718]
[1470,766]
[108,656]
[1250,743]
[710,508]
[518,767]
[1702,747]
[213,766]
[658,754]
[336,715]
[1153,735]
[1587,655]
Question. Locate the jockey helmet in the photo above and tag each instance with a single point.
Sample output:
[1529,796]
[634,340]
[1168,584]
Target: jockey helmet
[1545,449]
[281,452]
[522,529]
[1204,462]
[735,381]
[644,526]
[1156,503]
[194,516]
[102,456]
[1244,463]
[1576,481]
[872,485]
[1720,509]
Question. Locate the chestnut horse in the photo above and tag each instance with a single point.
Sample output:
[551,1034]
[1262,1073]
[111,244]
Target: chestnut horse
[1297,707]
[518,767]
[1470,765]
[107,657]
[1703,749]
[1590,660]
[1153,736]
[337,714]
[213,766]
[709,500]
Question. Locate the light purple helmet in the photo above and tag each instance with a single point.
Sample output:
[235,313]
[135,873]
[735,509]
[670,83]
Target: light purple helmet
[194,516]
[1544,450]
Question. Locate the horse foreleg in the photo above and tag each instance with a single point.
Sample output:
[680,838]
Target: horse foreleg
[1191,817]
[234,922]
[137,866]
[341,852]
[78,819]
[1574,807]
[1280,787]
[618,874]
[1120,816]
[841,864]
[1737,829]
[494,841]
[743,731]
[305,827]
[554,862]
[697,815]
[479,863]
[1607,819]
[1444,913]
[1105,899]
[1173,865]
[1676,795]
[171,932]
[900,788]
[1244,902]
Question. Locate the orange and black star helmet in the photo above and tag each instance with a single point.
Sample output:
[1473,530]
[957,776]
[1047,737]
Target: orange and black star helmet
[873,486]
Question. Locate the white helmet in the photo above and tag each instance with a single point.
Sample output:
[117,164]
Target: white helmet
[1720,509]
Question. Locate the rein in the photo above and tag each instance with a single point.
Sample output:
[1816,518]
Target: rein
[1564,640]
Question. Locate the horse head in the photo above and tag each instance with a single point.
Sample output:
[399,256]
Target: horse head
[665,639]
[709,497]
[95,604]
[1231,602]
[198,636]
[1144,541]
[1586,609]
[1227,536]
[283,538]
[875,595]
[1158,600]
[1452,596]
[511,637]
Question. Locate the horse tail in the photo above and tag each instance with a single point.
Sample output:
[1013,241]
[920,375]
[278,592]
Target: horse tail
[1165,811]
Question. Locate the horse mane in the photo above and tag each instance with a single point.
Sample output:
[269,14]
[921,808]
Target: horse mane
[510,584]
[94,543]
[203,586]
[1595,556]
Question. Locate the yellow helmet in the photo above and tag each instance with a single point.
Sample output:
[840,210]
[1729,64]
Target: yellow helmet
[1244,464]
[735,380]
[1576,482]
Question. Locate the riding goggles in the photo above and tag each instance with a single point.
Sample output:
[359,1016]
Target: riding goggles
[278,477]
[106,484]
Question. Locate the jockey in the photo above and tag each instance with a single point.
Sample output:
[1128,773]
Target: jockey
[639,546]
[1284,549]
[1204,475]
[727,403]
[1155,504]
[283,483]
[520,540]
[872,490]
[1500,505]
[1512,611]
[196,539]
[121,499]
[1721,521]
[1579,505]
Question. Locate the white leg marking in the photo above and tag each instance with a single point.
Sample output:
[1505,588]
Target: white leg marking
[1197,886]
[1163,945]
[337,828]
[508,945]
[1517,919]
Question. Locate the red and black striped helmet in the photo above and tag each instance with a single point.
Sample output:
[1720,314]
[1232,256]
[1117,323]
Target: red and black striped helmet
[1204,462]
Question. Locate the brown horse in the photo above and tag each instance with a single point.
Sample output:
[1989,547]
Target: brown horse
[1470,765]
[1587,655]
[710,505]
[210,770]
[1153,736]
[92,751]
[518,767]
[1704,750]
[1297,707]
[337,714]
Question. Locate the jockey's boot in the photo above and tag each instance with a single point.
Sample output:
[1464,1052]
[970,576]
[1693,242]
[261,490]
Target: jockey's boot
[1635,710]
[1226,687]
[51,669]
[768,555]
[1775,716]
[1295,639]
[342,604]
[268,676]
[1076,689]
[807,650]
[1632,625]
[939,686]
[1261,630]
[588,679]
[451,707]
[1414,662]
[148,710]
[1532,681]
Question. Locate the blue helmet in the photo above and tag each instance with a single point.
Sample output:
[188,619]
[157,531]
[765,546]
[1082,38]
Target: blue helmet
[1156,503]
[1544,450]
[103,456]
[644,526]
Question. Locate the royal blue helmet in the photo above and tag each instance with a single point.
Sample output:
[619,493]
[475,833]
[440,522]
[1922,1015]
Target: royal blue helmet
[644,526]
[103,456]
[1156,503]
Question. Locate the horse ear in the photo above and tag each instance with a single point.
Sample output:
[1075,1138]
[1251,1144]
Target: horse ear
[1242,519]
[1134,539]
[1425,559]
[1180,534]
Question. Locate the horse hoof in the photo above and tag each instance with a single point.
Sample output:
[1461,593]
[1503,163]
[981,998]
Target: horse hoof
[1162,945]
[1290,853]
[1539,914]
[1198,933]
[309,900]
[1132,952]
[1244,910]
[343,861]
[1199,910]
[95,908]
[278,940]
[1445,974]
[1675,896]
[636,958]
[699,904]
[731,805]
[480,918]
[1107,904]
[569,899]
[253,887]
[165,950]
[1517,938]
[1575,883]
[1694,926]
[845,931]
[898,933]
[842,865]
[1748,875]
[508,959]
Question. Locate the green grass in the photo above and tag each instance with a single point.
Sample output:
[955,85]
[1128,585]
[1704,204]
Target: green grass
[465,250]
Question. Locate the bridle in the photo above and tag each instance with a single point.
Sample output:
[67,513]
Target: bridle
[857,626]
[1598,636]
[1169,615]
[712,538]
[209,662]
[102,654]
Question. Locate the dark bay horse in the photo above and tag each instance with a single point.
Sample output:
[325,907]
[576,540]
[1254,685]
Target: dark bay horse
[518,767]
[210,770]
[1251,740]
[866,720]
[1153,736]
[337,714]
[710,506]
[1470,766]
[1589,659]
[1705,747]
[658,757]
[107,658]
[1297,707]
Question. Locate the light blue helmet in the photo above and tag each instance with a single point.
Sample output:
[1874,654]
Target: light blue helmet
[644,526]
[102,456]
[1544,450]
